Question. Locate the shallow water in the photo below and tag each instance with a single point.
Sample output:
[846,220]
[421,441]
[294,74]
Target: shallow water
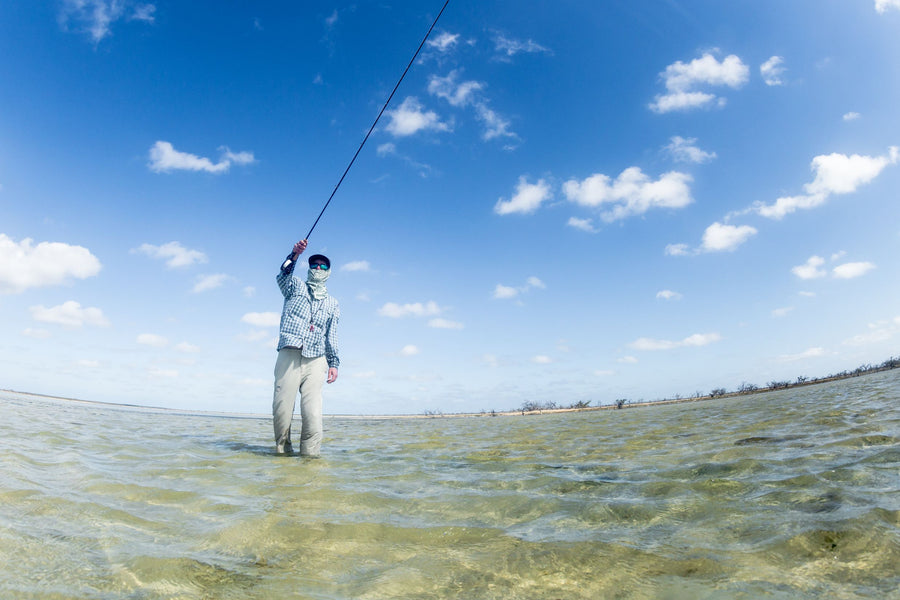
[791,494]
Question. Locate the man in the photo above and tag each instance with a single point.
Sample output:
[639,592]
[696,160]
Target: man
[307,348]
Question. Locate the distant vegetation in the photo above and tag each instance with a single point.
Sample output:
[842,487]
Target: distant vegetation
[744,388]
[534,407]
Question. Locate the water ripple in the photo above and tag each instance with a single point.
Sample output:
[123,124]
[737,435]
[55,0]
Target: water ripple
[791,494]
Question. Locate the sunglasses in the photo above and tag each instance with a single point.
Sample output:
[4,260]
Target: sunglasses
[322,266]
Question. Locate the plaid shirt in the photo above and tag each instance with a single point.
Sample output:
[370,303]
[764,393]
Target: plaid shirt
[306,323]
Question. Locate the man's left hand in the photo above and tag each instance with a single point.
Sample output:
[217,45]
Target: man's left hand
[299,247]
[332,375]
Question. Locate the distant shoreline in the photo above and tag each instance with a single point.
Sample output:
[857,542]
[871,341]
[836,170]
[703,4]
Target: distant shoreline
[140,407]
[751,390]
[629,404]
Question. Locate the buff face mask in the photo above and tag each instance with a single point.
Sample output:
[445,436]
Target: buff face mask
[315,281]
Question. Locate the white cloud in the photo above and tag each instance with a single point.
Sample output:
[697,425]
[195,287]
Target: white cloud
[668,295]
[510,47]
[684,101]
[628,360]
[411,117]
[491,360]
[249,291]
[681,79]
[582,224]
[698,339]
[880,331]
[809,353]
[331,19]
[653,344]
[882,6]
[632,193]
[852,270]
[262,319]
[151,339]
[87,364]
[842,174]
[725,238]
[788,204]
[144,12]
[811,269]
[173,253]
[164,158]
[237,158]
[390,149]
[96,17]
[782,312]
[701,339]
[706,70]
[24,266]
[527,199]
[187,348]
[357,265]
[465,94]
[772,70]
[834,174]
[205,283]
[604,372]
[443,42]
[444,324]
[457,94]
[686,150]
[677,250]
[542,360]
[851,116]
[503,292]
[409,350]
[69,314]
[717,237]
[417,309]
[495,125]
[872,337]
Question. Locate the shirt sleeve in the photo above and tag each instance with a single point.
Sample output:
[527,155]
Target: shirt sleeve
[285,278]
[331,338]
[288,264]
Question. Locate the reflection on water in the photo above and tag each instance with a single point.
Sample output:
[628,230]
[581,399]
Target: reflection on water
[791,494]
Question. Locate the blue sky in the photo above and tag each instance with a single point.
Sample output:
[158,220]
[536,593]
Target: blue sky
[566,201]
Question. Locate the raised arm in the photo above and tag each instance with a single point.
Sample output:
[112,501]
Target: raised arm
[285,277]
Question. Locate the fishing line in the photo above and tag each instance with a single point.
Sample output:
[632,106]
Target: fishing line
[372,128]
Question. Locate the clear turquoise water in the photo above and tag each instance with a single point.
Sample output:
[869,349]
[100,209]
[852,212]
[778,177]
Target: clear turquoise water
[792,494]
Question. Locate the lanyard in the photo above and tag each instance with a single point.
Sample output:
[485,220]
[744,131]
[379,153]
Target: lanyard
[312,313]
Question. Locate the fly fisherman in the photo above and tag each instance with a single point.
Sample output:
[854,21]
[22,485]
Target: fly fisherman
[307,350]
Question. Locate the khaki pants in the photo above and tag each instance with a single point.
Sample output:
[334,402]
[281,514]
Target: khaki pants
[295,372]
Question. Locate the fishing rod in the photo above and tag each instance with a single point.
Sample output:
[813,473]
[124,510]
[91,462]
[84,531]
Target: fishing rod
[372,128]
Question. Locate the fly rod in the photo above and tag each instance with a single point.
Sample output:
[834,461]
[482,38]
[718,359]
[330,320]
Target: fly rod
[372,128]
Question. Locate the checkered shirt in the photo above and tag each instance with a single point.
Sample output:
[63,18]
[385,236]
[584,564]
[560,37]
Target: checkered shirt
[300,311]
